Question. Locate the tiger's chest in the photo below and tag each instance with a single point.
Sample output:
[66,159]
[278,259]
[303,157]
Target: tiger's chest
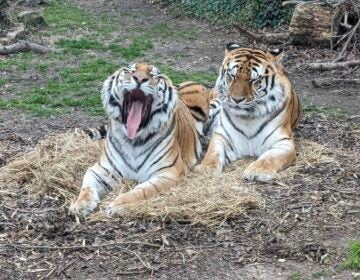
[250,137]
[138,162]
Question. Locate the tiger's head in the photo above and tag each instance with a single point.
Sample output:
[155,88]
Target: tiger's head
[140,98]
[251,80]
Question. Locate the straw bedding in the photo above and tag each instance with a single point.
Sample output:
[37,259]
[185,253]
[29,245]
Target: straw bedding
[56,167]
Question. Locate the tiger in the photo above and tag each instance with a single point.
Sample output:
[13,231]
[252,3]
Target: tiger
[204,106]
[151,137]
[260,110]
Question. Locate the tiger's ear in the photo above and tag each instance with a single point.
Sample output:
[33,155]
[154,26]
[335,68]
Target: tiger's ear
[231,46]
[278,54]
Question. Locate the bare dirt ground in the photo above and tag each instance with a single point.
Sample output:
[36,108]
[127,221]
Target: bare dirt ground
[301,233]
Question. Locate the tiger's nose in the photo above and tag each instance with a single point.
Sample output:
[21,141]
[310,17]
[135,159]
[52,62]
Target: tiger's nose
[139,79]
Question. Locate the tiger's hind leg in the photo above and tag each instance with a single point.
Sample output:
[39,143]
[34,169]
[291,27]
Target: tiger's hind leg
[280,156]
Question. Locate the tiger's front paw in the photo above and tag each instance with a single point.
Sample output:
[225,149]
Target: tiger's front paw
[207,169]
[116,209]
[259,171]
[85,203]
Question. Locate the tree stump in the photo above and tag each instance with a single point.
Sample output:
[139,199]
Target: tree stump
[311,24]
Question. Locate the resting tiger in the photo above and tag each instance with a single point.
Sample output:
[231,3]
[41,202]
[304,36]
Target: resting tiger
[151,138]
[259,111]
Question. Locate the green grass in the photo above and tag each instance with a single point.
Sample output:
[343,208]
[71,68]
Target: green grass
[78,87]
[19,62]
[78,83]
[353,257]
[164,30]
[177,76]
[295,276]
[77,46]
[321,274]
[64,17]
[136,49]
[337,112]
[72,79]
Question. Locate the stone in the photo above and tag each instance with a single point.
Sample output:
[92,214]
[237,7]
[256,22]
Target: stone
[31,19]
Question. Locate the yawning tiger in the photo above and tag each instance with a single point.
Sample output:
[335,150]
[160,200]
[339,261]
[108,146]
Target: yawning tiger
[151,138]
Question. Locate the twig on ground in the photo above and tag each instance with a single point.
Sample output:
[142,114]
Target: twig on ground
[194,248]
[24,46]
[334,82]
[76,247]
[330,66]
[147,266]
[63,269]
[265,37]
[29,211]
[339,58]
[49,273]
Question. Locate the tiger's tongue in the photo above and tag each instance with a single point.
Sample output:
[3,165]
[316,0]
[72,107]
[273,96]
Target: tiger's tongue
[134,118]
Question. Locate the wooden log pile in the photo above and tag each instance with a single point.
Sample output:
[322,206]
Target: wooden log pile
[324,23]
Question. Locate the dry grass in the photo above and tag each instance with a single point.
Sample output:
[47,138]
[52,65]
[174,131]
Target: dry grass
[57,165]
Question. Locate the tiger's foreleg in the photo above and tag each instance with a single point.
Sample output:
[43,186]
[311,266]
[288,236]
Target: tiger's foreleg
[157,184]
[214,159]
[280,156]
[96,183]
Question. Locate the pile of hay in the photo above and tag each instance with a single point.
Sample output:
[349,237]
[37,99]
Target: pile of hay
[58,163]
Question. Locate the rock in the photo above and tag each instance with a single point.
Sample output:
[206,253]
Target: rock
[31,19]
[14,33]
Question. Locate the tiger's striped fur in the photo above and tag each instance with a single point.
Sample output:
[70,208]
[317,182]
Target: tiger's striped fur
[203,105]
[260,110]
[157,153]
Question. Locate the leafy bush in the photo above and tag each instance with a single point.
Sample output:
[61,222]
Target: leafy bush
[250,13]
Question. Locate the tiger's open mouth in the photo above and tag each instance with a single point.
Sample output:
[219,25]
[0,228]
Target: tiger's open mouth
[136,112]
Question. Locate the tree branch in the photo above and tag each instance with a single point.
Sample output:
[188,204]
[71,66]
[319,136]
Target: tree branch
[23,46]
[330,66]
[264,37]
[334,82]
[286,3]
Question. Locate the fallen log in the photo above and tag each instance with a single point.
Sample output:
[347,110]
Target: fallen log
[23,46]
[334,82]
[271,38]
[287,3]
[332,65]
[311,24]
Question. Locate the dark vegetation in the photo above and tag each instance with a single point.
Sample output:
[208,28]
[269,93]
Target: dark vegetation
[249,13]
